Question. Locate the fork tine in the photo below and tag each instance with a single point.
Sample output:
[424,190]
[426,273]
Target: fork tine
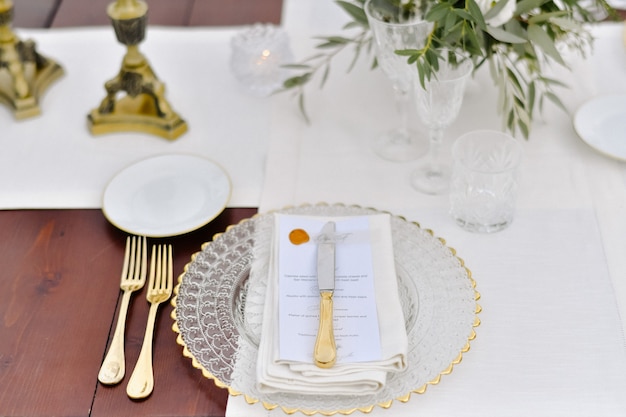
[136,258]
[170,270]
[157,284]
[164,268]
[125,266]
[152,270]
[144,260]
[132,268]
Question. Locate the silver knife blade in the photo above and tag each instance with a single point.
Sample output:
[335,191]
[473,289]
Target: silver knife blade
[326,258]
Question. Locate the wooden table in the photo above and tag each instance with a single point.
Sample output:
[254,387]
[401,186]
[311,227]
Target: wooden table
[60,272]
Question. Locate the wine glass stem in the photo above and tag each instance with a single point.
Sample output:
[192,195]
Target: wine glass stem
[435,138]
[402,107]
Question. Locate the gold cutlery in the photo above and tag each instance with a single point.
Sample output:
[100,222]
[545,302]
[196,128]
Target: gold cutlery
[133,279]
[325,349]
[159,290]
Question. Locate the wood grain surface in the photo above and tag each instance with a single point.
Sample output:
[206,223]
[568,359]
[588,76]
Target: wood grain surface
[64,13]
[60,277]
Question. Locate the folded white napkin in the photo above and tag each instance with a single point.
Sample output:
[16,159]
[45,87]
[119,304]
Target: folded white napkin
[279,375]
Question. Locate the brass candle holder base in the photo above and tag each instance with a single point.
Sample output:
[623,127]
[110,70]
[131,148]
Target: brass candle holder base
[136,115]
[144,107]
[24,73]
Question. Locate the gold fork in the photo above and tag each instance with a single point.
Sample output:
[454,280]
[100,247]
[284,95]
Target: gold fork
[159,290]
[133,279]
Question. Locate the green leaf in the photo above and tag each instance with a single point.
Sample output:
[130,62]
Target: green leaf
[504,36]
[336,39]
[296,66]
[523,115]
[554,99]
[567,24]
[432,59]
[530,100]
[515,28]
[451,19]
[357,13]
[351,25]
[301,105]
[538,36]
[473,46]
[463,14]
[357,53]
[408,52]
[511,120]
[438,12]
[525,6]
[297,80]
[314,57]
[325,75]
[328,45]
[544,17]
[514,81]
[476,13]
[524,128]
[495,9]
[552,81]
[420,73]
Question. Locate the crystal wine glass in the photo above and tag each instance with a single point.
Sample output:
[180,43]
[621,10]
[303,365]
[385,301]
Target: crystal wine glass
[438,104]
[392,31]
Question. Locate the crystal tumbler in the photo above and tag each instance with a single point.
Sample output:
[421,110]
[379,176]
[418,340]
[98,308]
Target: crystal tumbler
[485,176]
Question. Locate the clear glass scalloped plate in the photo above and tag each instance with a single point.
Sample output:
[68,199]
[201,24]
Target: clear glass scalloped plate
[219,302]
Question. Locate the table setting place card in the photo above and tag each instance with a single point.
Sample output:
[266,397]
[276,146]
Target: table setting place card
[369,327]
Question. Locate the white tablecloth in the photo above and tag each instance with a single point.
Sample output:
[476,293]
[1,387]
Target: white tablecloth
[553,284]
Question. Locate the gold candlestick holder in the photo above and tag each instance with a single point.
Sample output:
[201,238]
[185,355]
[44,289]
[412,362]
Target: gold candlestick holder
[24,73]
[144,107]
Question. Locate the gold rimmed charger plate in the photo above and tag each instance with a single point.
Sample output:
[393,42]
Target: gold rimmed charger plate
[218,312]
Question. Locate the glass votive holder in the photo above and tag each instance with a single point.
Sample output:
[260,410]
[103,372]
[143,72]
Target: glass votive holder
[485,177]
[258,55]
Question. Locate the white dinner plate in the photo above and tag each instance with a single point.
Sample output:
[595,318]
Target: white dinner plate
[166,195]
[601,123]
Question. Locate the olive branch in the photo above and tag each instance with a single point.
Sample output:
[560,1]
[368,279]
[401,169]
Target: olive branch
[518,52]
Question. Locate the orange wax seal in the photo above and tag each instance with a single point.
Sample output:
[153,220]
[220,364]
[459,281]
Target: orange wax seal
[298,236]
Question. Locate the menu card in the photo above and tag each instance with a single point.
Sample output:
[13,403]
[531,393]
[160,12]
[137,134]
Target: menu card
[355,318]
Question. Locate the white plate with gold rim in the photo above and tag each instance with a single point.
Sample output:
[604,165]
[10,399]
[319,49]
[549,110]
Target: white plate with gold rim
[166,195]
[601,123]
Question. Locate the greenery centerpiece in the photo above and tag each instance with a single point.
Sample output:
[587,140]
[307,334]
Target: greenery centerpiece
[518,39]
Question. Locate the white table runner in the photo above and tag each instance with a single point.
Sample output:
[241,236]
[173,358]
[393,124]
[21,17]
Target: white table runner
[52,161]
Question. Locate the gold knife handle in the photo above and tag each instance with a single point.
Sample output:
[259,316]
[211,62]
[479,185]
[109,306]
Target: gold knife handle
[325,351]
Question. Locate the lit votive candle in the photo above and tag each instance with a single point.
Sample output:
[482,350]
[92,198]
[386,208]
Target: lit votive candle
[258,56]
